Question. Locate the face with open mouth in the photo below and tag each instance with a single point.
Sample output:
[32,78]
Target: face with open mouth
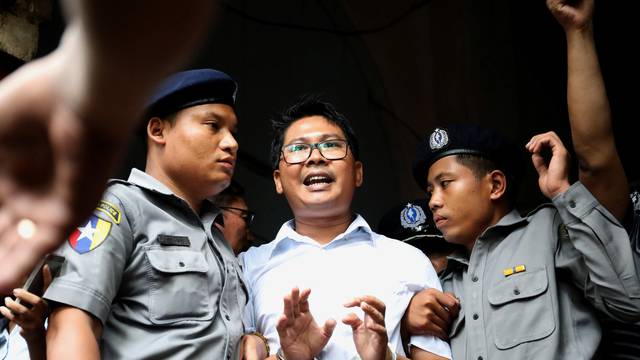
[318,187]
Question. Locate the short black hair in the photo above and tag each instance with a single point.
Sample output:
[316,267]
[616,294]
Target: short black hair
[309,105]
[481,166]
[233,192]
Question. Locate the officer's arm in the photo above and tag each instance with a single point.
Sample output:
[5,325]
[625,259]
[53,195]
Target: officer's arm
[73,334]
[600,168]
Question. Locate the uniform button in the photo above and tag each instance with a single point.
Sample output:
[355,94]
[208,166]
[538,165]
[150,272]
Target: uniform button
[474,278]
[572,204]
[516,292]
[475,316]
[181,264]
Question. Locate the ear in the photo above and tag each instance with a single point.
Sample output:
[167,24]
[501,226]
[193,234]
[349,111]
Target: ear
[156,128]
[359,173]
[498,182]
[277,182]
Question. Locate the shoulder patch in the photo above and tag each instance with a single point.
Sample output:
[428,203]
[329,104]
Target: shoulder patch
[90,235]
[110,210]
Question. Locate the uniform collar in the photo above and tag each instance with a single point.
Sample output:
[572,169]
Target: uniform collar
[287,235]
[146,181]
[511,220]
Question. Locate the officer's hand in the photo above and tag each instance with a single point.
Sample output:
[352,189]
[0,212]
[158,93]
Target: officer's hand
[572,15]
[431,312]
[53,166]
[300,336]
[370,334]
[31,312]
[553,177]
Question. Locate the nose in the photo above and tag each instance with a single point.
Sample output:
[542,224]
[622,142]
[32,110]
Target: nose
[435,200]
[229,143]
[315,156]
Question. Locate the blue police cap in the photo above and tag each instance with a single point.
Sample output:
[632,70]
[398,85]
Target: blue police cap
[191,88]
[470,139]
[412,222]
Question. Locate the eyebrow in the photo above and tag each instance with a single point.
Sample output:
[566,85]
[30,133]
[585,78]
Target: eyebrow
[321,138]
[215,116]
[439,177]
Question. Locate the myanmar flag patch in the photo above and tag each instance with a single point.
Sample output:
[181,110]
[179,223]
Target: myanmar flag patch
[89,236]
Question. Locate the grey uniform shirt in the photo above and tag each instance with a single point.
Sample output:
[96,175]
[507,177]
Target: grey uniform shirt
[528,287]
[160,278]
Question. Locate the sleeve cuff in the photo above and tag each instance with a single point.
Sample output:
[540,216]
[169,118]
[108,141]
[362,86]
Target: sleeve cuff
[71,294]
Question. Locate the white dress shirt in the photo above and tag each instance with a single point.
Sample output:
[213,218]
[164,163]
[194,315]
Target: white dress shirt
[355,263]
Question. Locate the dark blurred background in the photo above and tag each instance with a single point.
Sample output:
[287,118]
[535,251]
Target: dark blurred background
[396,69]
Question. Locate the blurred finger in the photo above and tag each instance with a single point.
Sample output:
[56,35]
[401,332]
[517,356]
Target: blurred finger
[295,302]
[372,312]
[374,302]
[328,327]
[7,313]
[16,309]
[304,300]
[287,311]
[46,276]
[352,320]
[26,297]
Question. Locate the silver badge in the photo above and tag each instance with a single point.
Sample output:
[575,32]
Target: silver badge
[412,217]
[438,139]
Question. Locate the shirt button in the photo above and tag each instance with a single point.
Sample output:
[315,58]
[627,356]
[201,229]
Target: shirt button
[479,357]
[572,204]
[474,278]
[226,316]
[181,264]
[475,316]
[516,292]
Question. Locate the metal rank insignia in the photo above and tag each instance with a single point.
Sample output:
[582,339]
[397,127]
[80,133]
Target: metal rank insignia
[514,270]
[438,139]
[412,217]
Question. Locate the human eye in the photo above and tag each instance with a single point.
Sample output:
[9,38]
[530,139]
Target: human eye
[296,147]
[330,144]
[444,183]
[213,124]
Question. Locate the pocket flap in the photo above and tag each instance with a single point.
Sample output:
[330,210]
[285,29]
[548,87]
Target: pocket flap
[519,286]
[177,261]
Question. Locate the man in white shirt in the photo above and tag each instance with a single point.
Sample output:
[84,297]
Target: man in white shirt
[362,278]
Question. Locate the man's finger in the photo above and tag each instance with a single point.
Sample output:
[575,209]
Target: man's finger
[374,302]
[295,302]
[352,320]
[372,312]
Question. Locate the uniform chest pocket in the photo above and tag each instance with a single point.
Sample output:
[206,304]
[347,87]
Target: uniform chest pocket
[522,309]
[179,287]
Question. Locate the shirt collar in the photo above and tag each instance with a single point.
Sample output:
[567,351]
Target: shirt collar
[287,235]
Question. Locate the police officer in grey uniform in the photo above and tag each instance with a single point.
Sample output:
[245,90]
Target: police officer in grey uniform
[148,275]
[526,285]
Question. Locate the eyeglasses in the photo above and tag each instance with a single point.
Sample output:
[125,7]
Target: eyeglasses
[329,149]
[246,215]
